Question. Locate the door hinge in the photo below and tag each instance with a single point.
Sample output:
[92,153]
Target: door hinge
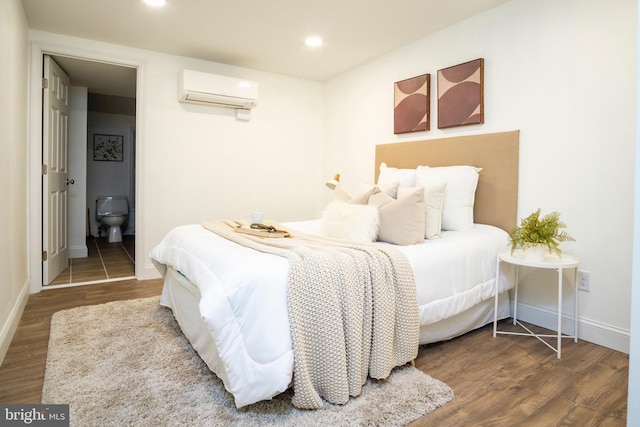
[44,255]
[45,83]
[44,169]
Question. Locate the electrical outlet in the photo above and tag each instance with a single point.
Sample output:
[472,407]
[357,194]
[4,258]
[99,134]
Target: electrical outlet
[584,280]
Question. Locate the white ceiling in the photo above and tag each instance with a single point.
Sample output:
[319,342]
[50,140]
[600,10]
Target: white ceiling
[266,35]
[104,79]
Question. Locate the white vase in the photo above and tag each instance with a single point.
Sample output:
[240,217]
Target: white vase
[535,253]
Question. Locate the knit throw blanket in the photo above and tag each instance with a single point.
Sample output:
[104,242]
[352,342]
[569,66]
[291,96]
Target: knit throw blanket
[353,311]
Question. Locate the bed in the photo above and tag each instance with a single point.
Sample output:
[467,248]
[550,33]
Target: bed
[231,301]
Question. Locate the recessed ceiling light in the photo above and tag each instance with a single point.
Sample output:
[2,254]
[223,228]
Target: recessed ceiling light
[156,3]
[313,41]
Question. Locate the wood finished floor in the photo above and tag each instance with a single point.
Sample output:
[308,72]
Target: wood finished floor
[502,381]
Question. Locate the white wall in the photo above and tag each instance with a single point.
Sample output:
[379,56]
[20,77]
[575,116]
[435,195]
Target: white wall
[14,285]
[563,72]
[196,163]
[202,163]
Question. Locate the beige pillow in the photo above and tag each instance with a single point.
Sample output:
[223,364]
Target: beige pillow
[402,220]
[434,198]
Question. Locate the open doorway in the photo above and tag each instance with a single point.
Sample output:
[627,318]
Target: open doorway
[101,163]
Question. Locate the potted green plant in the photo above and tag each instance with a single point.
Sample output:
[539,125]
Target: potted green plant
[543,233]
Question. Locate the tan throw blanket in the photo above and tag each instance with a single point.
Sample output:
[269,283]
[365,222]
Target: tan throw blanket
[353,311]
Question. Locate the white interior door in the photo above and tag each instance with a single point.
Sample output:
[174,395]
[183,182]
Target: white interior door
[55,174]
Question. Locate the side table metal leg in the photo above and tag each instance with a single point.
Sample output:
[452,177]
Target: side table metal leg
[559,312]
[575,308]
[495,302]
[515,296]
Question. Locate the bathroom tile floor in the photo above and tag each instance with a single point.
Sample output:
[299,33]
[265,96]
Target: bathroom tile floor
[105,262]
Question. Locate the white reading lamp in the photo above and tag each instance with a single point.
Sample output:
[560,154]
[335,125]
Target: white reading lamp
[332,183]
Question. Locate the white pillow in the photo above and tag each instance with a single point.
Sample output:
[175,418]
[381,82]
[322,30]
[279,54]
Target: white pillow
[434,200]
[460,193]
[406,177]
[354,222]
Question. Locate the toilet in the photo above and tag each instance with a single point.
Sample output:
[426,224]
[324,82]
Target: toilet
[112,212]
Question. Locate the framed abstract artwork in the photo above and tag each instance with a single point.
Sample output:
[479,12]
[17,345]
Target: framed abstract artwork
[107,148]
[412,98]
[461,94]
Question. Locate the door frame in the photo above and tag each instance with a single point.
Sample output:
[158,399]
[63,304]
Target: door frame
[34,200]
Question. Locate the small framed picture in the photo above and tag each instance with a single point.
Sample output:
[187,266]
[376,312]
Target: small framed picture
[107,148]
[411,102]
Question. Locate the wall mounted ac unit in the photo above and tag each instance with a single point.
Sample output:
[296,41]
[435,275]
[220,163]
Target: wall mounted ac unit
[222,91]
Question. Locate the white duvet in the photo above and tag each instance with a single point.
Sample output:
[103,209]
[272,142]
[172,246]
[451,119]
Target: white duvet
[244,295]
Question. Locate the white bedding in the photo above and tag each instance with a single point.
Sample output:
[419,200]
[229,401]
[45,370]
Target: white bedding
[244,295]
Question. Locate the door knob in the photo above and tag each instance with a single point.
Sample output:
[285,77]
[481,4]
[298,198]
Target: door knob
[70,181]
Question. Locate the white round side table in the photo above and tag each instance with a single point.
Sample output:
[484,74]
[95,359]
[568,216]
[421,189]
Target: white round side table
[551,262]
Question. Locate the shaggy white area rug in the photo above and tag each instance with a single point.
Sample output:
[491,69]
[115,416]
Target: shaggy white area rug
[127,363]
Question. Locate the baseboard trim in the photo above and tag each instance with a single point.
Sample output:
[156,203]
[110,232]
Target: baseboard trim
[10,326]
[151,272]
[80,251]
[595,332]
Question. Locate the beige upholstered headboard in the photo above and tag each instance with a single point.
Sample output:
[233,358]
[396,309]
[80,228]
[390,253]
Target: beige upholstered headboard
[496,153]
